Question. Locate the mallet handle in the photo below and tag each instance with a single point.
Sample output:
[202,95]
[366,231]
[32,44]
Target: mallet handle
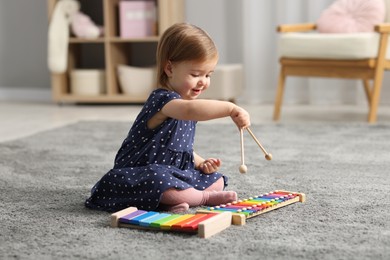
[257,141]
[242,146]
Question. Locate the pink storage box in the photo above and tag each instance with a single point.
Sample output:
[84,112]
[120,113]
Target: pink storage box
[137,18]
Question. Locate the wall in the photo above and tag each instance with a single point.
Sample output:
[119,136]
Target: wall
[222,19]
[23,44]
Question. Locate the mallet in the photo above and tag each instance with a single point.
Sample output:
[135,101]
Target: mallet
[268,156]
[243,168]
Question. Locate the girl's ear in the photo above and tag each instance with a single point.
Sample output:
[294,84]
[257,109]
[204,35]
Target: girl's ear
[168,68]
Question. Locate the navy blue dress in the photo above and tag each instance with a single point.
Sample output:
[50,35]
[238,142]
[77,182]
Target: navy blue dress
[150,161]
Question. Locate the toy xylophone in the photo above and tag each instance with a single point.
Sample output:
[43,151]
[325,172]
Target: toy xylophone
[204,224]
[254,206]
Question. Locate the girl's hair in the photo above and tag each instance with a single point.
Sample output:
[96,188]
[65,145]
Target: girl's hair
[183,42]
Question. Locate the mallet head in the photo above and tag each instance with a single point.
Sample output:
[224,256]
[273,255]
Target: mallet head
[243,168]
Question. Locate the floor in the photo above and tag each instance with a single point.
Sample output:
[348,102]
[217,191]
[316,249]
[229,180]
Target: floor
[19,119]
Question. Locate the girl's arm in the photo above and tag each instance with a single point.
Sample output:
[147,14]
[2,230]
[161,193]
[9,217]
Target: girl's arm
[202,110]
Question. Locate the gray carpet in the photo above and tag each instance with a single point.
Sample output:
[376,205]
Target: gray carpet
[342,169]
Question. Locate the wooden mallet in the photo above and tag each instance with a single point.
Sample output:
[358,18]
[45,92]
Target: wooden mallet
[268,156]
[243,168]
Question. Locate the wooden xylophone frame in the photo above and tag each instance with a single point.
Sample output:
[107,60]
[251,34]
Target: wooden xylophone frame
[240,218]
[207,228]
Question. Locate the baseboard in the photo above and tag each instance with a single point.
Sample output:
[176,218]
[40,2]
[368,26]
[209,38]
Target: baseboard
[29,94]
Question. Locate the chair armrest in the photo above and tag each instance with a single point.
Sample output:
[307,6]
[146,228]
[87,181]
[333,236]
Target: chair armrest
[303,27]
[383,28]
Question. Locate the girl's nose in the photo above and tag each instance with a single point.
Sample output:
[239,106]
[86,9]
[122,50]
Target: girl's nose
[202,81]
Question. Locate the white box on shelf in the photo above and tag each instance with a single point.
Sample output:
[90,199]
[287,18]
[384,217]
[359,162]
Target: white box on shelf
[137,82]
[227,82]
[88,82]
[137,18]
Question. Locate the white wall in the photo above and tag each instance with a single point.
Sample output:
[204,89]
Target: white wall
[23,44]
[222,20]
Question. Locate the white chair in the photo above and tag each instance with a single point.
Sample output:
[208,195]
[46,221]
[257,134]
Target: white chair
[306,53]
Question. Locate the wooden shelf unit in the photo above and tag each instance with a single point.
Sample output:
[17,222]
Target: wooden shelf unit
[110,50]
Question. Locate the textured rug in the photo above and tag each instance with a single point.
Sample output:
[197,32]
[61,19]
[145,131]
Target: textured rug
[342,169]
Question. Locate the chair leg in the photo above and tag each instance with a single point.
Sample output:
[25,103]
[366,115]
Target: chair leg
[279,94]
[378,78]
[376,90]
[367,89]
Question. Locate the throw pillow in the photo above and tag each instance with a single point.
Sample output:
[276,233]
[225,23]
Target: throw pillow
[351,16]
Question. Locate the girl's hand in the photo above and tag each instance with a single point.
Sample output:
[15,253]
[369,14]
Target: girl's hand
[210,165]
[240,117]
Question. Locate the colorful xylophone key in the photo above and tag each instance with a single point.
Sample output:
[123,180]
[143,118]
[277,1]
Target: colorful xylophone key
[204,224]
[254,206]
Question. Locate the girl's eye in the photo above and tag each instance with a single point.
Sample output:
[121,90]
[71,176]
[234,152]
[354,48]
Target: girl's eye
[195,75]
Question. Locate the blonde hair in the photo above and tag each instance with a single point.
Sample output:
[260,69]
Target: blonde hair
[183,42]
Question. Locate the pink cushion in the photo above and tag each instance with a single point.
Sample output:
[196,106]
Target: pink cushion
[351,16]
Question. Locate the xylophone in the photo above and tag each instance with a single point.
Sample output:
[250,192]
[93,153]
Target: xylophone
[254,206]
[204,224]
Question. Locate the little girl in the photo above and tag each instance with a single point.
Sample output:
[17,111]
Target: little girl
[156,167]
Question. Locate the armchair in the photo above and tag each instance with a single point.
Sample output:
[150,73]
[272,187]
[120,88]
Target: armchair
[362,56]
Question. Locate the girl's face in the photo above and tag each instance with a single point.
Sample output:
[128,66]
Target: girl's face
[190,78]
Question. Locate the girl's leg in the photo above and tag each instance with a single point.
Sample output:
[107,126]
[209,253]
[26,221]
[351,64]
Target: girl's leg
[181,199]
[182,207]
[219,185]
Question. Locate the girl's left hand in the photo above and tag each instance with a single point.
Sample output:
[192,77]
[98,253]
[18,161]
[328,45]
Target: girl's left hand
[210,165]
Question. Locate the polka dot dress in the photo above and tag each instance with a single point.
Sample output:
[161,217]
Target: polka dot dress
[150,161]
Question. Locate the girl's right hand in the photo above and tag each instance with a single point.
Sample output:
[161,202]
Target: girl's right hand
[240,117]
